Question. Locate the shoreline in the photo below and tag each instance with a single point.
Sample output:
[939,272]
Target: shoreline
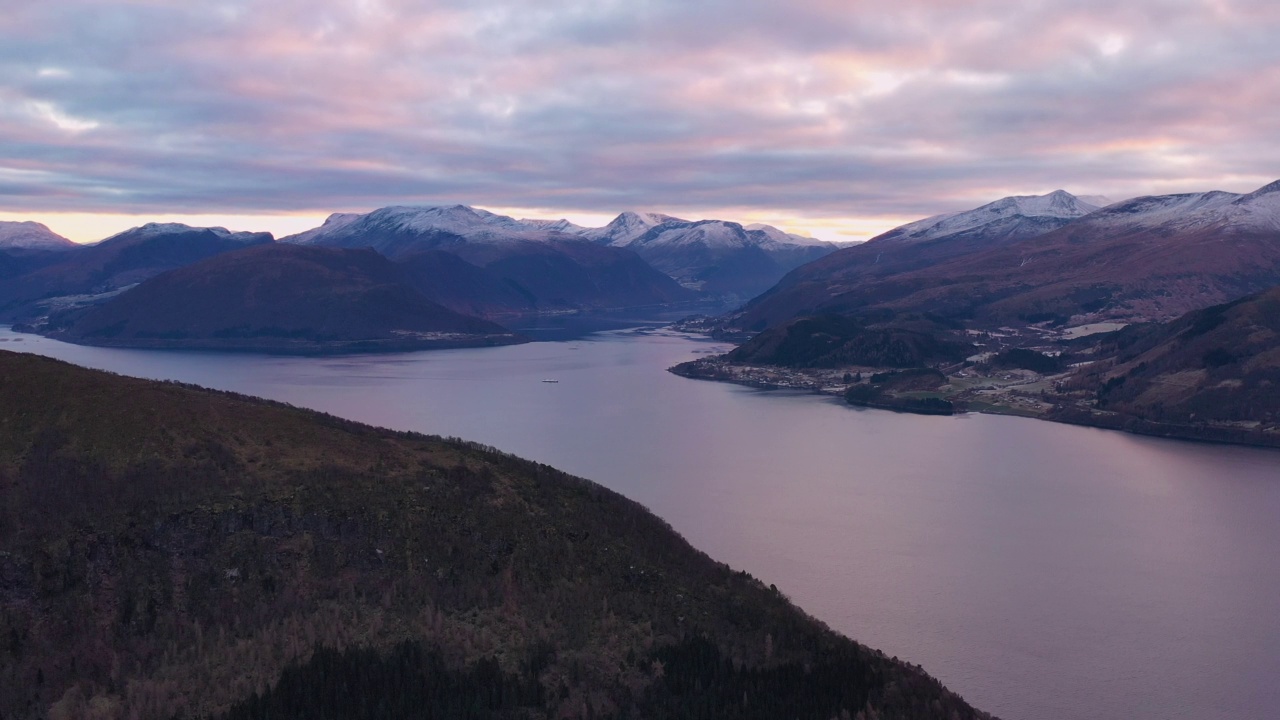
[782,378]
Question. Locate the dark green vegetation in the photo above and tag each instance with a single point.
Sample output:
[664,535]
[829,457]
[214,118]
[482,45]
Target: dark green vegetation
[833,341]
[695,680]
[170,551]
[278,298]
[1212,374]
[913,390]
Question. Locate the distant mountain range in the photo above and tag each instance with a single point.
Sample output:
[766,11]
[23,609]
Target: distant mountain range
[1056,259]
[516,266]
[1049,258]
[83,274]
[711,257]
[464,260]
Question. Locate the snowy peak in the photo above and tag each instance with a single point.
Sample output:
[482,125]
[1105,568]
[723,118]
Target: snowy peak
[1159,207]
[28,235]
[1259,209]
[1222,211]
[1040,213]
[337,220]
[628,227]
[707,233]
[429,222]
[153,230]
[635,229]
[1269,189]
[561,226]
[775,235]
[332,224]
[1059,204]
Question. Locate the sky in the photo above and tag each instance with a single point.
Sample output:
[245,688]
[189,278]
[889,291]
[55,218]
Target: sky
[836,118]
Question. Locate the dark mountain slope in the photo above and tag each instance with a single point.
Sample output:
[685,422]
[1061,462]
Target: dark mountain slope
[117,262]
[280,298]
[463,287]
[170,551]
[15,262]
[575,274]
[1211,374]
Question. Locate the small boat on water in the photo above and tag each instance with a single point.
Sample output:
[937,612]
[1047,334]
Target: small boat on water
[551,381]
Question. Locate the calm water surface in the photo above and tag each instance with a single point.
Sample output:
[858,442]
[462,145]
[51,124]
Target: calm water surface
[1040,570]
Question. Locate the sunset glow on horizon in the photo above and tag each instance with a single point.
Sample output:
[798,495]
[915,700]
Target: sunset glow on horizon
[834,119]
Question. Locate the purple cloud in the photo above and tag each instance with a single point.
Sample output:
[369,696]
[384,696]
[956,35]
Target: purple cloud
[817,108]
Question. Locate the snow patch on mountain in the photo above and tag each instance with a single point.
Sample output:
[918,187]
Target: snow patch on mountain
[1096,200]
[29,235]
[151,230]
[460,221]
[628,227]
[1058,205]
[785,238]
[562,225]
[1257,211]
[655,230]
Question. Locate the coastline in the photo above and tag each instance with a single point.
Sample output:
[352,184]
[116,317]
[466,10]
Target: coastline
[1015,393]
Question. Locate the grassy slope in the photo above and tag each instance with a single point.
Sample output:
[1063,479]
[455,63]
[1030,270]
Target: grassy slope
[169,550]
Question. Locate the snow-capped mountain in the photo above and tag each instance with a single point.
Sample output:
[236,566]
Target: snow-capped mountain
[785,238]
[547,264]
[1050,258]
[634,228]
[399,230]
[1258,211]
[561,225]
[719,257]
[628,227]
[714,256]
[154,231]
[124,259]
[30,235]
[1009,218]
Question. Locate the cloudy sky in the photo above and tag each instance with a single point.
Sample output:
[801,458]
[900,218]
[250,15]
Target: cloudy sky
[840,117]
